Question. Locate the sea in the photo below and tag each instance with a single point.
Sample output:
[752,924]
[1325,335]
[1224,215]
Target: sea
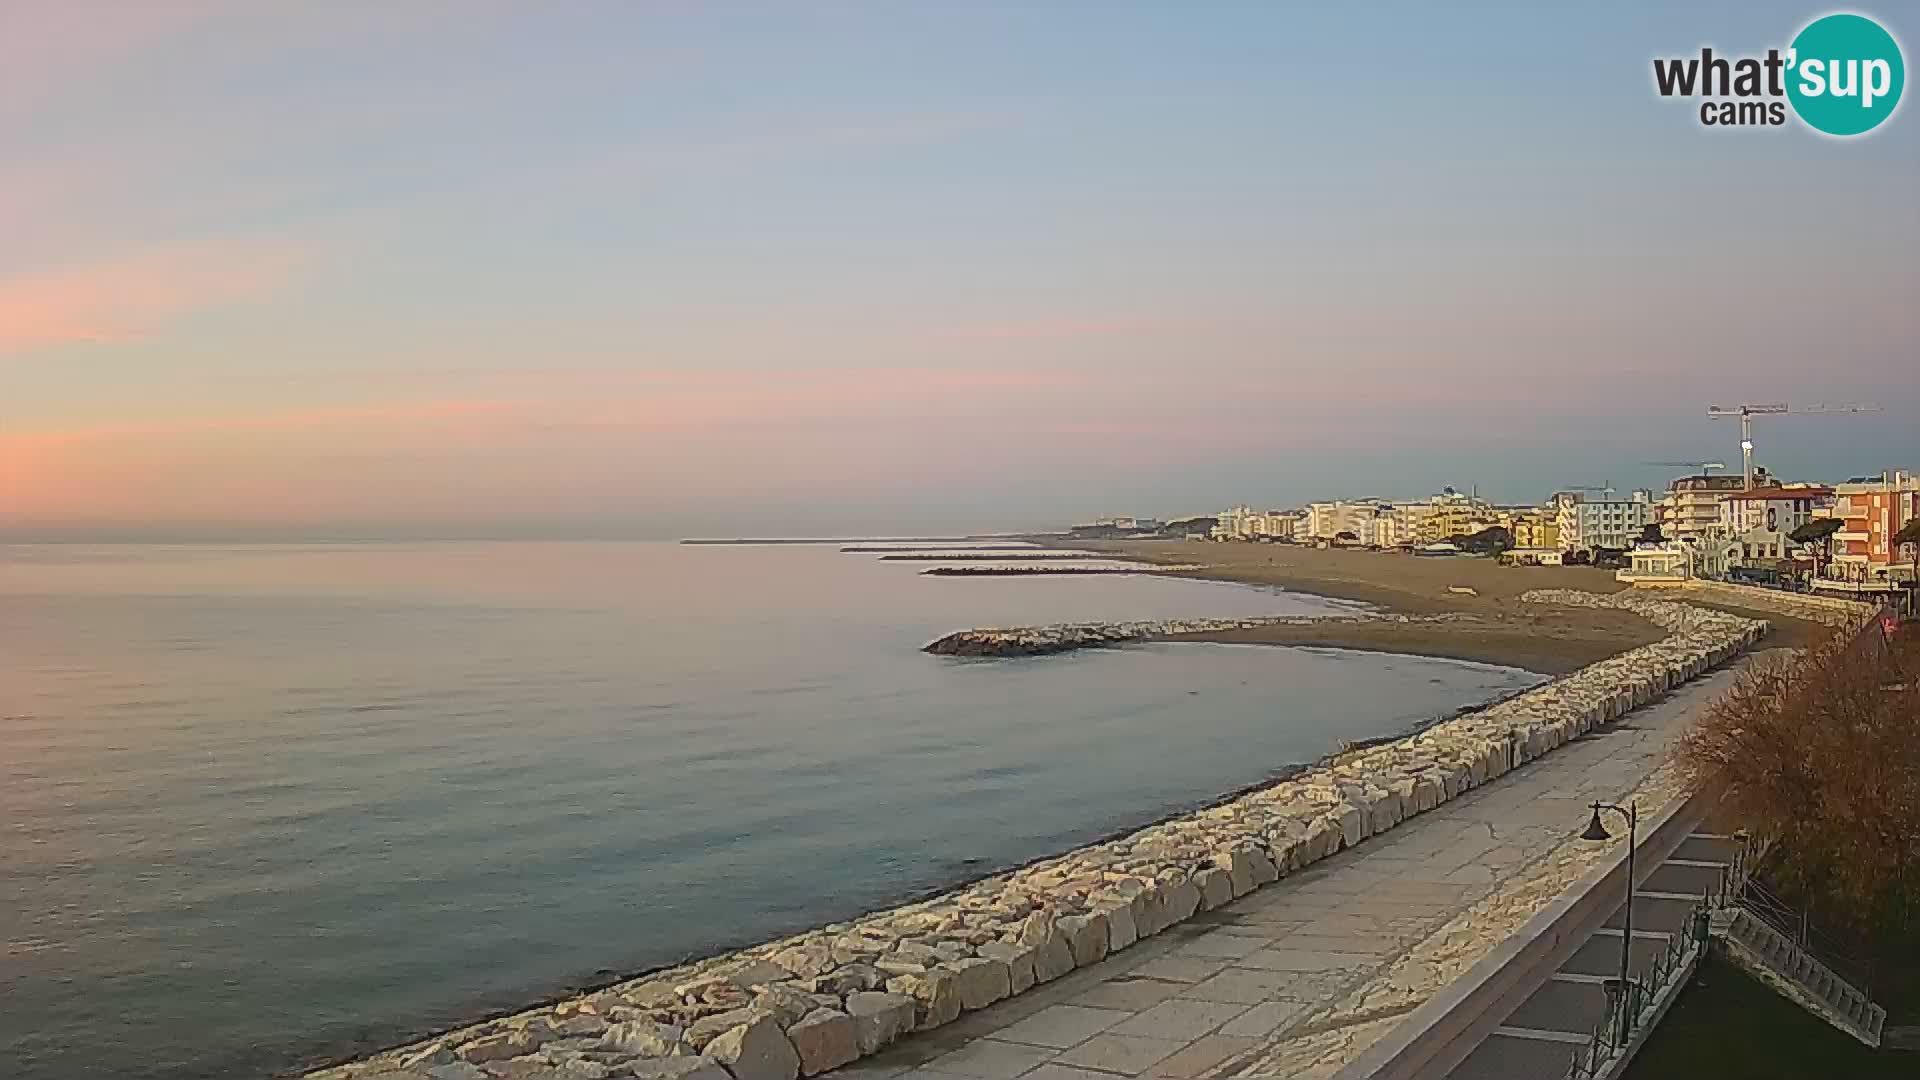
[266,806]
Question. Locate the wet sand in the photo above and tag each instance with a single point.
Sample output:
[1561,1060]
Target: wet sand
[1542,638]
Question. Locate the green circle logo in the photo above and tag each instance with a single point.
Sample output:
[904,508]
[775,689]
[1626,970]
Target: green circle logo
[1845,74]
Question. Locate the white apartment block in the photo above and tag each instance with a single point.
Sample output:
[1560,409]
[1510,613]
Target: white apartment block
[1234,523]
[1277,525]
[1246,523]
[1586,524]
[1327,520]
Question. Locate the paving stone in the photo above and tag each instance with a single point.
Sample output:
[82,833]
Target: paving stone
[1266,1017]
[1224,945]
[1131,994]
[1061,1026]
[1245,986]
[1179,968]
[1125,1054]
[1179,1019]
[991,1058]
[1054,1070]
[1281,958]
[1200,1057]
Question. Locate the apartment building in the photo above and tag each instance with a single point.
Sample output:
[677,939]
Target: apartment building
[1232,523]
[1873,509]
[1275,525]
[1587,524]
[1772,508]
[1536,528]
[1246,523]
[1690,509]
[1327,520]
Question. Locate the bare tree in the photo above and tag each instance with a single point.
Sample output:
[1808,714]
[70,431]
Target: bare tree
[1822,751]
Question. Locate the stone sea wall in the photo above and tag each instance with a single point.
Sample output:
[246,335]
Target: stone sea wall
[1833,611]
[809,1003]
[1065,637]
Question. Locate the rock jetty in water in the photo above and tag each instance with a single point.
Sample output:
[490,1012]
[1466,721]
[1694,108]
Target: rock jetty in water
[872,549]
[1065,637]
[1054,569]
[1004,556]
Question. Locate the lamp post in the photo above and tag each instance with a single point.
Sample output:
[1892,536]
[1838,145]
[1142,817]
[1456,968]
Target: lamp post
[1598,831]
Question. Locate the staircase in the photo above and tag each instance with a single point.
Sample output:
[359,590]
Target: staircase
[1779,961]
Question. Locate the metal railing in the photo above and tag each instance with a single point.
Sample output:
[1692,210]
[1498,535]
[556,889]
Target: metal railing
[1849,962]
[1626,1005]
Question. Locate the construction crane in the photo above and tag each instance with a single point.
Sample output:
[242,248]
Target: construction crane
[1705,467]
[1606,489]
[1746,413]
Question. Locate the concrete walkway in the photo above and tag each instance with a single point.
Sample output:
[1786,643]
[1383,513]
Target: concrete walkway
[1298,978]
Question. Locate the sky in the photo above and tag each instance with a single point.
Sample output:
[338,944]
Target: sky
[659,269]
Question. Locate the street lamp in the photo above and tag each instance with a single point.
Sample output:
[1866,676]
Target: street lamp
[1598,831]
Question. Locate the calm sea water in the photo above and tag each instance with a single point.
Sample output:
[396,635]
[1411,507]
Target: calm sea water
[261,805]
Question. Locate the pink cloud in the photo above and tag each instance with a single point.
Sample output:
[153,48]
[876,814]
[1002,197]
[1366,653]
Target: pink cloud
[297,420]
[128,297]
[224,466]
[46,48]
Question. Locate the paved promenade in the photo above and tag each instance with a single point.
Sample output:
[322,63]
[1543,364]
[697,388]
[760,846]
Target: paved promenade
[1297,979]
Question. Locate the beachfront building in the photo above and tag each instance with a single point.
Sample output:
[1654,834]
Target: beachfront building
[1233,523]
[1327,520]
[1658,564]
[1690,509]
[1753,537]
[1451,513]
[1386,529]
[1535,528]
[1246,523]
[1410,520]
[1273,525]
[1435,518]
[1872,508]
[1531,556]
[1587,524]
[1773,508]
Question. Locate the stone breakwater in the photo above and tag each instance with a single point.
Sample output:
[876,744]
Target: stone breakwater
[1054,569]
[1004,556]
[809,1003]
[1065,637]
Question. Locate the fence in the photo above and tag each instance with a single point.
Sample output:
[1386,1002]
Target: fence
[1849,960]
[1629,1002]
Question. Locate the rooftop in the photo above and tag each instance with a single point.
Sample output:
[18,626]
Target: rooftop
[1798,491]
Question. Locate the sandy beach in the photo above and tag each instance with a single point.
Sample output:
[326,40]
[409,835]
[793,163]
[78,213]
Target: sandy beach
[1549,640]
